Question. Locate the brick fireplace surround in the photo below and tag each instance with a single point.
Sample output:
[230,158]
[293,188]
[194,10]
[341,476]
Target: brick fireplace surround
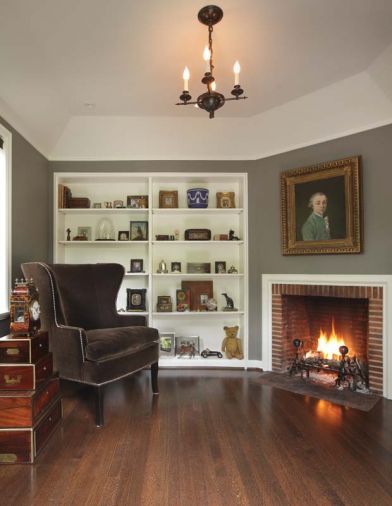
[376,290]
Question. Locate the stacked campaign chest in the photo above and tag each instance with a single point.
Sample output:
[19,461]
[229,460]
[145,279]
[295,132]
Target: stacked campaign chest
[30,400]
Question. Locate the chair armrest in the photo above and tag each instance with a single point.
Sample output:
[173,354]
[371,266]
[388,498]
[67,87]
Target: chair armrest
[70,343]
[129,320]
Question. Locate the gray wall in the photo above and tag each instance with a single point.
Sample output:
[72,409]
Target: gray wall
[30,207]
[375,148]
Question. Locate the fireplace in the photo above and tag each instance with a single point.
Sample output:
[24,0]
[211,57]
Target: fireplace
[308,310]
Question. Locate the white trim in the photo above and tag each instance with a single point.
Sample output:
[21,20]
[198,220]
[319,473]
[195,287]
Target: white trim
[7,147]
[380,280]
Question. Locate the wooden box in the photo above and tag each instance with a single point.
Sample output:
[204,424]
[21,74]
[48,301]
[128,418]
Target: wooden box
[79,203]
[25,376]
[19,446]
[21,350]
[22,408]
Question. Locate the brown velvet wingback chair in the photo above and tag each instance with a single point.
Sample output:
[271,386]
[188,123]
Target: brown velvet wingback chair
[91,343]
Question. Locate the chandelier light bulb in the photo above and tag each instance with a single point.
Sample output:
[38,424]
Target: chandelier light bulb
[213,85]
[185,76]
[237,70]
[206,58]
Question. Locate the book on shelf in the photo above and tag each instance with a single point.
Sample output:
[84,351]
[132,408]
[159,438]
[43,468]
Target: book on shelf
[64,196]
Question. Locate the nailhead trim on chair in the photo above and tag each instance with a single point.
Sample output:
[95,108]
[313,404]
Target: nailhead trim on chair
[55,311]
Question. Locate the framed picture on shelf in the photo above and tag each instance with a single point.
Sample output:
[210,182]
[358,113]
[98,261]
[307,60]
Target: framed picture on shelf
[139,230]
[97,205]
[176,267]
[136,299]
[164,304]
[320,208]
[167,344]
[220,267]
[123,235]
[198,267]
[200,292]
[187,346]
[136,265]
[137,201]
[183,299]
[168,199]
[118,204]
[225,199]
[85,232]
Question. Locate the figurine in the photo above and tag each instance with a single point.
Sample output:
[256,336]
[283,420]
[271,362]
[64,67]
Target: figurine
[233,237]
[162,269]
[211,305]
[232,270]
[211,353]
[229,303]
[231,344]
[68,234]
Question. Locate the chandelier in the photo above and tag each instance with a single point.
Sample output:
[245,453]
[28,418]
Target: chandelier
[211,100]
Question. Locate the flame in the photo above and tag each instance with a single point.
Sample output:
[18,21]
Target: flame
[329,346]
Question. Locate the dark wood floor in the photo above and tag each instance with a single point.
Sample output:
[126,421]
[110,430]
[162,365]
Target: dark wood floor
[209,438]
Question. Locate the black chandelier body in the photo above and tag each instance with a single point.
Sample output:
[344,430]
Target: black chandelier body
[211,100]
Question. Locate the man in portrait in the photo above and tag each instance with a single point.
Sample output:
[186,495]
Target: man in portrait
[316,227]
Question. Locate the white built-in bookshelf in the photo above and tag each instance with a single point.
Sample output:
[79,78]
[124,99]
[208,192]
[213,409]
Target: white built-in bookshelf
[108,187]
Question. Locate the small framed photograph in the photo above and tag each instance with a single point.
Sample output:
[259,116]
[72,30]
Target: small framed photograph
[198,267]
[123,235]
[168,199]
[136,265]
[225,199]
[220,267]
[183,300]
[164,304]
[176,267]
[139,230]
[137,201]
[108,205]
[97,205]
[187,347]
[85,232]
[136,299]
[118,204]
[167,344]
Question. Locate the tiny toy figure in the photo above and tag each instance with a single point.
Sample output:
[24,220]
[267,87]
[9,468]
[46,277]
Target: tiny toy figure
[233,237]
[68,234]
[210,353]
[232,270]
[229,303]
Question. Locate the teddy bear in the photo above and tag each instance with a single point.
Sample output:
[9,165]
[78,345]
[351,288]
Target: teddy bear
[231,344]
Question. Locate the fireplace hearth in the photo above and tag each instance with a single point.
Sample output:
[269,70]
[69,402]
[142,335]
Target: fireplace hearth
[298,306]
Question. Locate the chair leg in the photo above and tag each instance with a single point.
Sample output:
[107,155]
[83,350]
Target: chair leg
[99,406]
[154,378]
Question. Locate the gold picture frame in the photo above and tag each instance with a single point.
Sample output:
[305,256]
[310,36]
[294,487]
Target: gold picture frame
[225,200]
[321,208]
[168,199]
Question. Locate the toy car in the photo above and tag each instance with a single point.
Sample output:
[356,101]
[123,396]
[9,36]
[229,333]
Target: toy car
[210,353]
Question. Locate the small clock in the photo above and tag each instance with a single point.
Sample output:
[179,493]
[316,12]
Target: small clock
[24,309]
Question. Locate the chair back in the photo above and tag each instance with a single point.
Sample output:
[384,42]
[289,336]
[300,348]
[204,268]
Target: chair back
[79,295]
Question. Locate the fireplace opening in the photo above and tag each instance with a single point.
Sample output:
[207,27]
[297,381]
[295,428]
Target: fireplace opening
[326,338]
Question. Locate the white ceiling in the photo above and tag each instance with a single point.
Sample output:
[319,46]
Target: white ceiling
[127,57]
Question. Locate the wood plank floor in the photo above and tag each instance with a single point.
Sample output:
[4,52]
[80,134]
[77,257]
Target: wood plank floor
[209,438]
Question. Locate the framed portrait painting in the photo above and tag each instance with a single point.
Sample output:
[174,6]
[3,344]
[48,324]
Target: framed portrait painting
[321,208]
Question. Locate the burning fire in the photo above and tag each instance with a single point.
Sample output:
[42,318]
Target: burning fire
[329,346]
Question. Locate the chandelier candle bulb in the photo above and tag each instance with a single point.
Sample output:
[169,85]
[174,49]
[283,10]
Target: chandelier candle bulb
[237,70]
[185,77]
[206,57]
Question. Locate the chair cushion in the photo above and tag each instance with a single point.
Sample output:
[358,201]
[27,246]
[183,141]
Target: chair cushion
[105,344]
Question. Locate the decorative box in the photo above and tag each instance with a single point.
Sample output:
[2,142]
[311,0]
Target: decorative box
[197,234]
[198,268]
[79,203]
[197,198]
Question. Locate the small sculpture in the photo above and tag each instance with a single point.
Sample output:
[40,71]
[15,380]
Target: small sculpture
[232,270]
[233,237]
[211,305]
[162,269]
[229,303]
[68,234]
[231,344]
